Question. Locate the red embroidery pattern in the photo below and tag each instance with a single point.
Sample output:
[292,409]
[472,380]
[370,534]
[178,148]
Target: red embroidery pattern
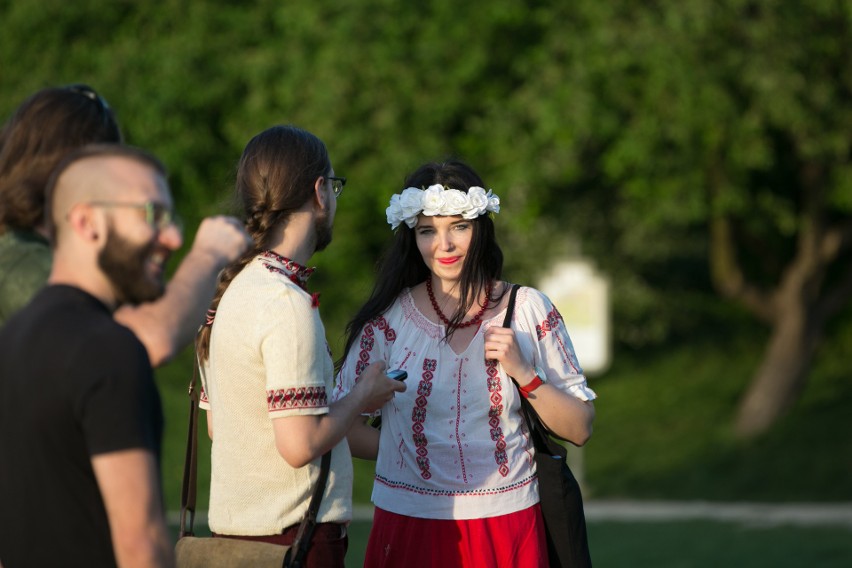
[202,397]
[494,387]
[458,421]
[297,273]
[368,341]
[382,324]
[302,272]
[551,324]
[441,492]
[302,397]
[418,416]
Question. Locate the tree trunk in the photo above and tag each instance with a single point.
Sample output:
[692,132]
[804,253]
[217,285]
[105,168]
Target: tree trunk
[782,373]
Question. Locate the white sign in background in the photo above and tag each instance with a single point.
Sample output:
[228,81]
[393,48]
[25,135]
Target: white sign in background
[582,297]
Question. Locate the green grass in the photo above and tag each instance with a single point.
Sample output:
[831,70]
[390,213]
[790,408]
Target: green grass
[713,544]
[692,544]
[664,428]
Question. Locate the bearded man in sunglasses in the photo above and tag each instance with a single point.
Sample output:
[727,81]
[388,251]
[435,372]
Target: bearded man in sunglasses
[80,416]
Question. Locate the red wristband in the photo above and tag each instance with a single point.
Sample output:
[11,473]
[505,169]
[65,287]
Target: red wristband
[531,386]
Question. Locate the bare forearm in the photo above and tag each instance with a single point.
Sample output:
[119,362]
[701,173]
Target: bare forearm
[302,439]
[167,325]
[128,482]
[566,416]
[363,440]
[151,550]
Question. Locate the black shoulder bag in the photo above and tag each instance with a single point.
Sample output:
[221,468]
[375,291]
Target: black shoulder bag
[559,492]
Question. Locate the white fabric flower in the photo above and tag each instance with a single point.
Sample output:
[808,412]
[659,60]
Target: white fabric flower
[411,202]
[433,200]
[439,200]
[394,212]
[455,202]
[477,203]
[493,203]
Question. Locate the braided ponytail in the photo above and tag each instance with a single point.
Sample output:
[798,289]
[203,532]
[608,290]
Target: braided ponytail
[275,177]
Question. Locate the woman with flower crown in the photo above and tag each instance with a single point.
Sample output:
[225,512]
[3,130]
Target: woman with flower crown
[455,481]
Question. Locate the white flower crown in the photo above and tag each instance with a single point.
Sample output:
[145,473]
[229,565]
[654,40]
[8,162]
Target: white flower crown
[439,200]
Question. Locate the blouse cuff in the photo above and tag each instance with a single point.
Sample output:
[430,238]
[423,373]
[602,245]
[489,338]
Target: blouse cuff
[582,391]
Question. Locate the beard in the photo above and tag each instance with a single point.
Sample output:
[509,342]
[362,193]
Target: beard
[322,231]
[123,263]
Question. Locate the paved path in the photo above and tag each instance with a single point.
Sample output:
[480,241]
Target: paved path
[762,514]
[749,513]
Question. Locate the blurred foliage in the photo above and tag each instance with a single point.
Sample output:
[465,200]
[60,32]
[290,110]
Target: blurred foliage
[612,130]
[663,427]
[604,127]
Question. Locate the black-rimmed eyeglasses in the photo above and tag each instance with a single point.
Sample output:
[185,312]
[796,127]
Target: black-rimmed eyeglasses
[337,184]
[157,215]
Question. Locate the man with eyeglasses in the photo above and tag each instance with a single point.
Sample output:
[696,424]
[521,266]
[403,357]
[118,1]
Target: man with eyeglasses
[80,416]
[37,136]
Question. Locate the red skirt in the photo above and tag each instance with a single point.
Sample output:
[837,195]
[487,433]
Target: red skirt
[515,540]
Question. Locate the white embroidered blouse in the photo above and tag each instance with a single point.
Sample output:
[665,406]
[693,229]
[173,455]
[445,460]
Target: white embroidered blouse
[453,446]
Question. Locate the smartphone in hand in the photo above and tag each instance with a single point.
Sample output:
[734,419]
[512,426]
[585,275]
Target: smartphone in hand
[397,375]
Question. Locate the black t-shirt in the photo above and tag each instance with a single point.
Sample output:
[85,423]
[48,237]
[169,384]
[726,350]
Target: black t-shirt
[73,384]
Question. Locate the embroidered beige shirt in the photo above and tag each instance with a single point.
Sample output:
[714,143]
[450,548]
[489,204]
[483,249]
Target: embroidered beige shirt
[268,359]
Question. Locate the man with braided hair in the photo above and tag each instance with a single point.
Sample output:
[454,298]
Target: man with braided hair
[266,366]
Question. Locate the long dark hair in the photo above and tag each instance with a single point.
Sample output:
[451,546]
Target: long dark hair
[402,265]
[47,126]
[275,177]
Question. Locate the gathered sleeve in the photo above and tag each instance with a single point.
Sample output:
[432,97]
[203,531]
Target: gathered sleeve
[552,349]
[373,344]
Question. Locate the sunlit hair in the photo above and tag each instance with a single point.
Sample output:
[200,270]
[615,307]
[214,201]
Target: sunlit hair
[40,133]
[275,177]
[402,265]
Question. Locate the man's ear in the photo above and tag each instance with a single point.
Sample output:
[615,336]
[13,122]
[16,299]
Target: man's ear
[86,223]
[320,194]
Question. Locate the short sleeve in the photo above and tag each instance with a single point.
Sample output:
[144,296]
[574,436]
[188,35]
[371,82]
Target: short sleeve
[296,358]
[120,409]
[553,350]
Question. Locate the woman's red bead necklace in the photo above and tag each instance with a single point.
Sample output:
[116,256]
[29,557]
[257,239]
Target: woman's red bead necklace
[444,319]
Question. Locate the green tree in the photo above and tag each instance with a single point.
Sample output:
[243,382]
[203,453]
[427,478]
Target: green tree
[698,150]
[669,133]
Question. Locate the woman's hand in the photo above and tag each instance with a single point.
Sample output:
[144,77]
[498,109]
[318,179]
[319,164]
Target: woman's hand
[568,417]
[502,345]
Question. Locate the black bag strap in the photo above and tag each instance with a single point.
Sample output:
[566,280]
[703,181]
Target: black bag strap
[510,309]
[190,464]
[571,546]
[538,430]
[295,557]
[299,551]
